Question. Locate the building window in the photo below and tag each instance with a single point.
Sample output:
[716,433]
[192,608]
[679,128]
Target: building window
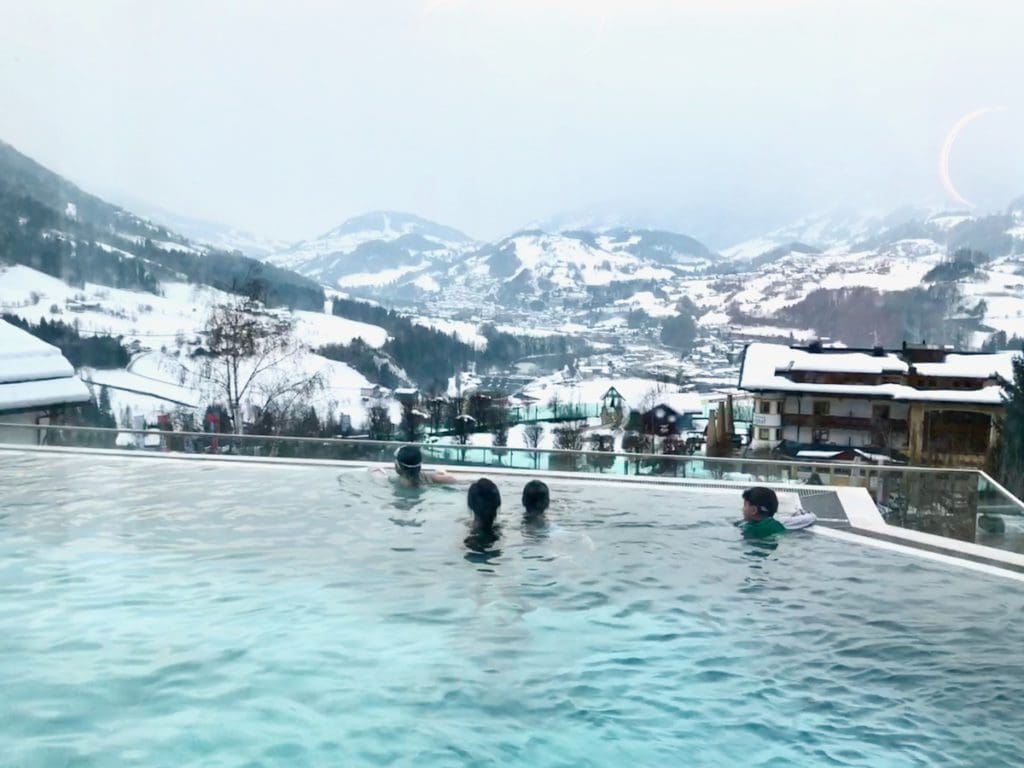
[764,434]
[822,407]
[766,406]
[819,436]
[880,412]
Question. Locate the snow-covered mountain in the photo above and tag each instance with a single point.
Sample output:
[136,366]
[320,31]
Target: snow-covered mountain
[534,263]
[200,231]
[422,260]
[50,224]
[374,249]
[993,233]
[827,229]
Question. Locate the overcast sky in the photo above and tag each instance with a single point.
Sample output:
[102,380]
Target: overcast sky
[286,118]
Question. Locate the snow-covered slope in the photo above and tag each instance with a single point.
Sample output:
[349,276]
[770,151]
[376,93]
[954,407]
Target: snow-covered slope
[49,224]
[374,249]
[534,264]
[178,312]
[207,233]
[162,330]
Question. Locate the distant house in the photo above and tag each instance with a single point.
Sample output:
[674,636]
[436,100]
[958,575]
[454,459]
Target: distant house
[612,405]
[373,393]
[496,387]
[672,414]
[36,382]
[935,405]
[407,395]
[601,440]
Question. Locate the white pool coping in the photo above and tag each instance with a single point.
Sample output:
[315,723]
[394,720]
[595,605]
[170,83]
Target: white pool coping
[860,509]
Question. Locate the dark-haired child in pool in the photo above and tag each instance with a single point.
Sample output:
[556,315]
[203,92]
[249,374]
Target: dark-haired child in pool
[409,469]
[536,499]
[484,500]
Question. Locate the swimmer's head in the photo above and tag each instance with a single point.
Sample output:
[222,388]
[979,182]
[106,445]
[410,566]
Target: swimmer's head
[759,502]
[408,462]
[484,498]
[536,498]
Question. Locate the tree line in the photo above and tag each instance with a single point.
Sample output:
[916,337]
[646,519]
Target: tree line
[103,244]
[91,351]
[431,357]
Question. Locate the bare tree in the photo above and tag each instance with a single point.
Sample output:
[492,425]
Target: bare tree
[378,421]
[554,404]
[248,349]
[284,397]
[532,434]
[569,436]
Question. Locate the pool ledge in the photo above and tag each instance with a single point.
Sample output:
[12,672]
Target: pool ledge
[864,524]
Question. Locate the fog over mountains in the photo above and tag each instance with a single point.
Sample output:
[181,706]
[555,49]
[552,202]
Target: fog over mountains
[541,278]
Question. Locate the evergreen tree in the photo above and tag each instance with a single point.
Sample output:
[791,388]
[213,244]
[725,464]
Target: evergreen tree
[408,427]
[498,424]
[104,413]
[1011,431]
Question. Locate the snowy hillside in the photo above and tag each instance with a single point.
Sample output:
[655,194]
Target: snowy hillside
[374,249]
[205,233]
[49,224]
[539,261]
[534,265]
[162,329]
[152,320]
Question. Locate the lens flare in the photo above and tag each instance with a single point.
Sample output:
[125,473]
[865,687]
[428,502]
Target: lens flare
[947,150]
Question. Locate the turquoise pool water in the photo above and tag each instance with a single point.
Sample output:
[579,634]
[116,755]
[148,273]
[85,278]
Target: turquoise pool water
[169,613]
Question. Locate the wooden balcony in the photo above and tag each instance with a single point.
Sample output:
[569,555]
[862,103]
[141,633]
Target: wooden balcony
[813,421]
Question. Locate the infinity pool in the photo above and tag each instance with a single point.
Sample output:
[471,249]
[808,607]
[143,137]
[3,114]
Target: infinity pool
[162,612]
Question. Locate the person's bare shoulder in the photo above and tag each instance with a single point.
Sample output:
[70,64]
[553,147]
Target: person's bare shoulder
[440,476]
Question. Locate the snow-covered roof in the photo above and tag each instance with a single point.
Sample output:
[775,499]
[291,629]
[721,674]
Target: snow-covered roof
[764,364]
[845,362]
[972,366]
[880,458]
[22,395]
[682,402]
[34,373]
[817,454]
[23,357]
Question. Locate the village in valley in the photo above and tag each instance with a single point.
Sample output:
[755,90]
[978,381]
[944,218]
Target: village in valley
[825,348]
[729,397]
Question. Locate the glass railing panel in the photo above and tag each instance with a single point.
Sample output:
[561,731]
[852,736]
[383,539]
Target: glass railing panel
[962,504]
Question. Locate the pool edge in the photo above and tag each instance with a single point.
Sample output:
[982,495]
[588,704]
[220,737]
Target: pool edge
[866,524]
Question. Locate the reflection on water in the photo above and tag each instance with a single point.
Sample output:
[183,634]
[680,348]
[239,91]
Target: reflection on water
[167,613]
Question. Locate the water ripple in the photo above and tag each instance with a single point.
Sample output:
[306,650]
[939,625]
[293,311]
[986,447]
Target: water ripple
[232,615]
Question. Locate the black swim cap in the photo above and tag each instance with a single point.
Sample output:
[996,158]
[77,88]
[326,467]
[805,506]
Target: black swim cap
[409,457]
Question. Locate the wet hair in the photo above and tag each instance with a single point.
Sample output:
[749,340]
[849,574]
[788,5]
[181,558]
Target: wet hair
[409,461]
[764,499]
[536,497]
[484,498]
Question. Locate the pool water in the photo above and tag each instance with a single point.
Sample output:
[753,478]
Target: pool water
[166,613]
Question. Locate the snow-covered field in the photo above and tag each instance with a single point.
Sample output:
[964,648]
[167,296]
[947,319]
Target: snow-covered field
[164,378]
[152,320]
[467,333]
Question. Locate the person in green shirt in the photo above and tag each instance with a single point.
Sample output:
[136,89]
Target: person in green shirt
[759,507]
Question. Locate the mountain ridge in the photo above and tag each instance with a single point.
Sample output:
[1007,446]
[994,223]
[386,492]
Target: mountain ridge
[49,223]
